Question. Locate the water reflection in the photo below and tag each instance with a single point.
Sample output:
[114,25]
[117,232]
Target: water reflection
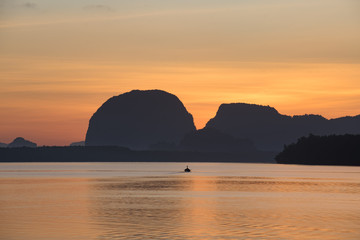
[44,208]
[242,201]
[197,207]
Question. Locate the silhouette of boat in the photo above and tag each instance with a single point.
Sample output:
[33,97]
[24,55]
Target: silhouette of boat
[187,169]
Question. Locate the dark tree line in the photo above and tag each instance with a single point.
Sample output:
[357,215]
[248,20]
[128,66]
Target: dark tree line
[122,154]
[323,150]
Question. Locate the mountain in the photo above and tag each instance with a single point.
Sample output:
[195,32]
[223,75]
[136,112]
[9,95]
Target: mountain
[81,143]
[139,119]
[270,130]
[212,140]
[3,145]
[21,142]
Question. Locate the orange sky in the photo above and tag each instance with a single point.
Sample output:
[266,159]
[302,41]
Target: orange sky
[59,61]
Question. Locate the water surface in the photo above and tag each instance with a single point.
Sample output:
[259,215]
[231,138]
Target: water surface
[160,201]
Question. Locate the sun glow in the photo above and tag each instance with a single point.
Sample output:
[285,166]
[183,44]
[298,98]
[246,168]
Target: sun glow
[60,61]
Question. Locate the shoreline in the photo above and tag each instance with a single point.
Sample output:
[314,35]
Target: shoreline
[120,154]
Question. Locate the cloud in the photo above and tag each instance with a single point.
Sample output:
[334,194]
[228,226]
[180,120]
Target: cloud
[30,5]
[98,7]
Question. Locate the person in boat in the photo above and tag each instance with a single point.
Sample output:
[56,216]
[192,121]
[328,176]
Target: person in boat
[187,169]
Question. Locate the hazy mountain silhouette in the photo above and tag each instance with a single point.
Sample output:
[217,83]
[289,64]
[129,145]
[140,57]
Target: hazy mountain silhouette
[212,140]
[81,143]
[21,142]
[270,130]
[138,119]
[3,145]
[323,150]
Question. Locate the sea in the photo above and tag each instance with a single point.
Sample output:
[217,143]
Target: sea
[140,200]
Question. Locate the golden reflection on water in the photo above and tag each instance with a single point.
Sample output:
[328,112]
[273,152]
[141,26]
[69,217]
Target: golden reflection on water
[184,206]
[195,207]
[43,208]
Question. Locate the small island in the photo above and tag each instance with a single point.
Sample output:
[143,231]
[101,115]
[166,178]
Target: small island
[323,150]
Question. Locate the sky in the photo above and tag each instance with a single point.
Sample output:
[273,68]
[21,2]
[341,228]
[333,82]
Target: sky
[60,60]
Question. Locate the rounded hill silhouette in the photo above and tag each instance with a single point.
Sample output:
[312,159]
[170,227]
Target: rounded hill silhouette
[21,142]
[139,119]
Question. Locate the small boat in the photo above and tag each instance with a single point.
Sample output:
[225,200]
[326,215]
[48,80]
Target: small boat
[187,169]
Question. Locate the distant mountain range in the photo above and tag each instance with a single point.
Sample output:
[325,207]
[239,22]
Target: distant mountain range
[157,120]
[156,123]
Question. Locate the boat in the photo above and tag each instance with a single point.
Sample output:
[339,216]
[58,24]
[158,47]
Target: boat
[187,169]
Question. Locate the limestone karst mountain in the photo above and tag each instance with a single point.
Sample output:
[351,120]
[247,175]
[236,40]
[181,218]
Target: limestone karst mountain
[157,120]
[139,119]
[270,130]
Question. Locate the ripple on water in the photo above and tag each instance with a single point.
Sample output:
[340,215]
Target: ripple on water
[178,206]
